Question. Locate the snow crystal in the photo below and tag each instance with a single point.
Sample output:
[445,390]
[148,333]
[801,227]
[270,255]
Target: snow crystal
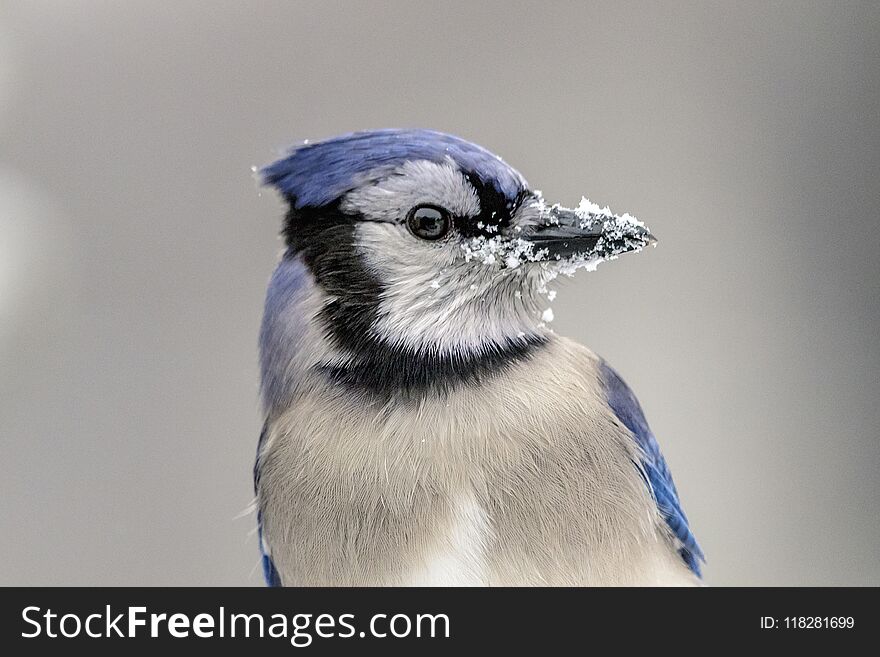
[547,315]
[497,248]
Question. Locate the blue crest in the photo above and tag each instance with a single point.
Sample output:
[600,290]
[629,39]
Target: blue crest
[313,175]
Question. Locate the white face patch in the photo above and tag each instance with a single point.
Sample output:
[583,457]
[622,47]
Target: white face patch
[435,297]
[414,183]
[435,300]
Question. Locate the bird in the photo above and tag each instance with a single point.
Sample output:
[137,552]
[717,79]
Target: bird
[423,426]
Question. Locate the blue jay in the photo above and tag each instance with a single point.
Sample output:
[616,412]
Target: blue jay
[423,426]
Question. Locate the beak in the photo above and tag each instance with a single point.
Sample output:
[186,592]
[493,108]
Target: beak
[587,233]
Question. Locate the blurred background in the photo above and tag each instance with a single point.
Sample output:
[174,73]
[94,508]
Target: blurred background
[135,248]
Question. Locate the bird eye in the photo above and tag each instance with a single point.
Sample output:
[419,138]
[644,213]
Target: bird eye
[428,222]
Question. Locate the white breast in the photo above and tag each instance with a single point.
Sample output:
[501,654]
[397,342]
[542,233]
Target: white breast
[458,555]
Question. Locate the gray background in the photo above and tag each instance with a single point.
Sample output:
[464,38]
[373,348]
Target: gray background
[135,247]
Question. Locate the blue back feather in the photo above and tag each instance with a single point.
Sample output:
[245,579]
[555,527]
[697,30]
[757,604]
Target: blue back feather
[313,175]
[270,574]
[653,466]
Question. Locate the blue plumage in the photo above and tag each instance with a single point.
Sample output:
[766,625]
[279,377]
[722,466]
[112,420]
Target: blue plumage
[270,574]
[313,175]
[281,332]
[627,408]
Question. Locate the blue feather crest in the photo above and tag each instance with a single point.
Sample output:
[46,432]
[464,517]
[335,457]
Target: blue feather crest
[315,174]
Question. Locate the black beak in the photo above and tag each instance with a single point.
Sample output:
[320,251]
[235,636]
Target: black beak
[585,233]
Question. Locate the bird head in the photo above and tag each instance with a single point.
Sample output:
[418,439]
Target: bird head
[427,243]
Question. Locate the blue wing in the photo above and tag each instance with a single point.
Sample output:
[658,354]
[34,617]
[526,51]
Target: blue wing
[653,466]
[270,574]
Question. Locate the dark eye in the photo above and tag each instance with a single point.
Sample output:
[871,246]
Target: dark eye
[428,222]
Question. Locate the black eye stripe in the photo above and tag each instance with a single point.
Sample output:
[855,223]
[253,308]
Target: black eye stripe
[496,209]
